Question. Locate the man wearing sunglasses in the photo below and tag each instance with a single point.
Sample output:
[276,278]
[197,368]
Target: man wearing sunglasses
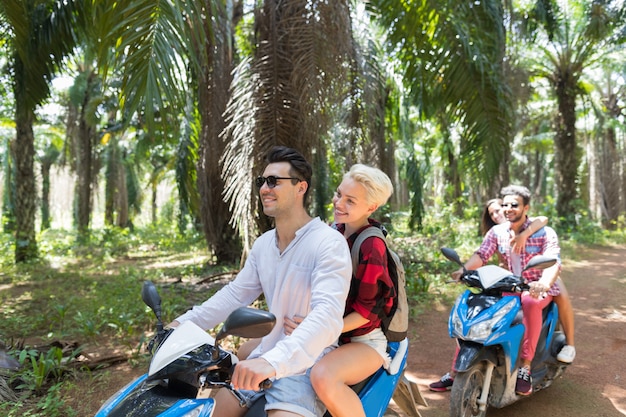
[303,268]
[515,204]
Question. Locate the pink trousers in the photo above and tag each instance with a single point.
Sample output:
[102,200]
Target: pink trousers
[532,308]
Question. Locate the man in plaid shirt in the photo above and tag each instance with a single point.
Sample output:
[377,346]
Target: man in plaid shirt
[516,203]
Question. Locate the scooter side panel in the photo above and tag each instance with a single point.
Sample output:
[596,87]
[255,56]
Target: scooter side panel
[119,396]
[552,319]
[144,399]
[511,341]
[185,406]
[378,392]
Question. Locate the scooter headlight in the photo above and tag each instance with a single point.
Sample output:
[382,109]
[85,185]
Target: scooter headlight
[455,321]
[479,332]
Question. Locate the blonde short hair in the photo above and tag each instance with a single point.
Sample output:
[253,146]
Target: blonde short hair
[378,186]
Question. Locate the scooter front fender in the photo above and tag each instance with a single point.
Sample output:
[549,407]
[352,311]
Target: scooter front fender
[471,353]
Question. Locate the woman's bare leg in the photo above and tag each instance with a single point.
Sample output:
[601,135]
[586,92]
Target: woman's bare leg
[332,376]
[566,312]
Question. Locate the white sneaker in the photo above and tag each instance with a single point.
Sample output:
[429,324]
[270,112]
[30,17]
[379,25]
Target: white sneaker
[567,354]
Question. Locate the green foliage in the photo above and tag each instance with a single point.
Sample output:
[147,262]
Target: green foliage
[38,367]
[89,291]
[93,289]
[427,271]
[50,404]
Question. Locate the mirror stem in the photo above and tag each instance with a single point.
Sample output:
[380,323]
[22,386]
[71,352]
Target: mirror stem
[215,355]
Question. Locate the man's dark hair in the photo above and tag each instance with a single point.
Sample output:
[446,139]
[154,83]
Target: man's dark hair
[517,190]
[300,167]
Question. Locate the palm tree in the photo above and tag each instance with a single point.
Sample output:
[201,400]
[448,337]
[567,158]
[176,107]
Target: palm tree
[574,37]
[156,81]
[85,95]
[451,56]
[286,93]
[607,196]
[212,84]
[39,35]
[8,194]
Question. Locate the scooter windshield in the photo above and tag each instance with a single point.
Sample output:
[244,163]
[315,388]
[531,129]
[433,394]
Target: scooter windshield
[491,274]
[185,338]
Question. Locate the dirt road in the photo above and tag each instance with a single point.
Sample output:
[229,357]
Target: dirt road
[594,385]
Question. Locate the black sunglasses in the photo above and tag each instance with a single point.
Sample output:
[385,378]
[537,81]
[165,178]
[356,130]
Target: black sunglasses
[271,180]
[511,205]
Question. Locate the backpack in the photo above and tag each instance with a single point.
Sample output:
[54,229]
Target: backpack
[396,324]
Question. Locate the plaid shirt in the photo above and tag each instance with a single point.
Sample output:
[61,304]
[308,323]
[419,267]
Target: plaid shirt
[371,288]
[543,242]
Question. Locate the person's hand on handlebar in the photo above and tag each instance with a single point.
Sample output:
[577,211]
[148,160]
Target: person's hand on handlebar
[456,275]
[537,289]
[250,373]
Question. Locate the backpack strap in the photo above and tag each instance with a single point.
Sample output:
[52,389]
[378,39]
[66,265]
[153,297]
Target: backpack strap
[374,231]
[368,232]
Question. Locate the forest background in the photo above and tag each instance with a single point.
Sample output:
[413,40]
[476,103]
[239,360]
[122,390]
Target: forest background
[125,121]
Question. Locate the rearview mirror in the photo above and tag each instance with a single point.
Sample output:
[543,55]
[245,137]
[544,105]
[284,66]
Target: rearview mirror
[540,262]
[451,255]
[247,322]
[151,297]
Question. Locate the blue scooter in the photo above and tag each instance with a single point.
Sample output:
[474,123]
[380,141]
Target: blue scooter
[487,323]
[187,363]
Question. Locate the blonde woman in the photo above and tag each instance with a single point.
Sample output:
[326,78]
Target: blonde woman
[363,345]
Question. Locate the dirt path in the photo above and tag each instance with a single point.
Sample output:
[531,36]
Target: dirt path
[594,385]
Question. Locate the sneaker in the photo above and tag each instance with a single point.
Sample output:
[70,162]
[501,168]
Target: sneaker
[524,385]
[567,354]
[444,384]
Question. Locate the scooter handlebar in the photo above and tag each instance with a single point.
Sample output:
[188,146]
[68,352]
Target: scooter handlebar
[265,384]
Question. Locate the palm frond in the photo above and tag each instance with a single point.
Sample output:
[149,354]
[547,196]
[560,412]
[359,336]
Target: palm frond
[301,62]
[284,93]
[154,42]
[40,35]
[239,157]
[452,55]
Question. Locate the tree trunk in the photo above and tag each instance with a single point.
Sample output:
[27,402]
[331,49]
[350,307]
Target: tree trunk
[111,179]
[452,177]
[25,191]
[222,238]
[121,198]
[567,152]
[45,195]
[8,197]
[610,179]
[84,164]
[153,202]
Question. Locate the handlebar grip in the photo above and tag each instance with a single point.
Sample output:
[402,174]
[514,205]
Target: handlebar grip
[266,384]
